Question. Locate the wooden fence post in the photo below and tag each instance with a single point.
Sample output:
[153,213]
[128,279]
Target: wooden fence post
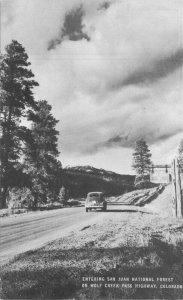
[177,186]
[174,198]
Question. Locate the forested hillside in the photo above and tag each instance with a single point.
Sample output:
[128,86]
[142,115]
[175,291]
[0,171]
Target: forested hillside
[83,179]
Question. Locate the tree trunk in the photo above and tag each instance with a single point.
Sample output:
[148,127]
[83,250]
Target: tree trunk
[3,203]
[35,201]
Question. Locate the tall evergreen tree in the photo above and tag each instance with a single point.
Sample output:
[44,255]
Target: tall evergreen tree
[41,155]
[141,161]
[16,83]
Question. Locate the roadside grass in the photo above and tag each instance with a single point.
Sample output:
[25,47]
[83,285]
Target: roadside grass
[56,273]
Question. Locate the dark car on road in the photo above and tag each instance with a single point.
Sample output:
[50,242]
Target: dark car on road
[95,200]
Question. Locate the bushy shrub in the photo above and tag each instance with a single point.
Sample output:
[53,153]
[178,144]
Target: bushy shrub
[143,182]
[63,195]
[20,198]
[73,202]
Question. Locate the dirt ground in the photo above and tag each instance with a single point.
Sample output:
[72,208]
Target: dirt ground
[139,244]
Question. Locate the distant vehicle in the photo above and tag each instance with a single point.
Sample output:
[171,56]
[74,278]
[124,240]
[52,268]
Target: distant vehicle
[95,200]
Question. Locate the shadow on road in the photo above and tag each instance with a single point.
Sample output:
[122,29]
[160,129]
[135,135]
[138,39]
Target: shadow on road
[132,210]
[128,210]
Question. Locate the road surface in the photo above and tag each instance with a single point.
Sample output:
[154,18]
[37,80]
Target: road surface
[29,231]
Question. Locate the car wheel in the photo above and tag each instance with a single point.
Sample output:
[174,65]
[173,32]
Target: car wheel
[86,209]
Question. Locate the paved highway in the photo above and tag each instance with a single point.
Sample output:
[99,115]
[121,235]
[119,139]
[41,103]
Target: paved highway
[30,231]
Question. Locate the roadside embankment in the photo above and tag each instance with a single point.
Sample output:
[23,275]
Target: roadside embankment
[138,197]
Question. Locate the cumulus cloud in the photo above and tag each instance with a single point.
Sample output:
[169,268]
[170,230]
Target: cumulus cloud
[112,70]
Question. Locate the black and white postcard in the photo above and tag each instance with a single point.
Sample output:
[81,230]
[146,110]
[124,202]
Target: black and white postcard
[91,149]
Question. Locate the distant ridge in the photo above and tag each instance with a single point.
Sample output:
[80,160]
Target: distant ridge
[81,180]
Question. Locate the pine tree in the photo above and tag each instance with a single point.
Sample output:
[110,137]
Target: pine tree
[16,82]
[41,155]
[141,161]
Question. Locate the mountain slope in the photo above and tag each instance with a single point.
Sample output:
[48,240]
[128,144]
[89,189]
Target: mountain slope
[83,179]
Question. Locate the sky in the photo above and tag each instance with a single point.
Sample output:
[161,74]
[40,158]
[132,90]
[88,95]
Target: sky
[112,71]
